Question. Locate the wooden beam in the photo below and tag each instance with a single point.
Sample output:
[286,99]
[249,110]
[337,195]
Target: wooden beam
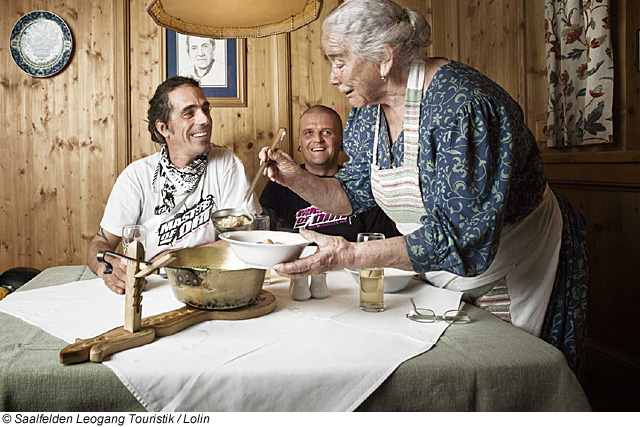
[122,84]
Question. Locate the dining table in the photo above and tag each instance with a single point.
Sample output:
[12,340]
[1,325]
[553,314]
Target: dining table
[485,365]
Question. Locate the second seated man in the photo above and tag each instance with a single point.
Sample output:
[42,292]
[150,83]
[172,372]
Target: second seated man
[320,142]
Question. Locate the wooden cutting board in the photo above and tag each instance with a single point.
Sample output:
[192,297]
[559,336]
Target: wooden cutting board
[160,325]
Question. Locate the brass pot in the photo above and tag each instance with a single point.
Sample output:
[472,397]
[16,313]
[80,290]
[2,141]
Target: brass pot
[221,281]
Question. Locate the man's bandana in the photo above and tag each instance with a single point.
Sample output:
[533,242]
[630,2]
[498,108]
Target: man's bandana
[176,180]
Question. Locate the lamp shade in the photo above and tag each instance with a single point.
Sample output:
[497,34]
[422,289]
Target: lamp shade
[225,19]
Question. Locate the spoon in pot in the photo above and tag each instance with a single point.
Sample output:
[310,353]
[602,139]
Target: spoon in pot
[243,211]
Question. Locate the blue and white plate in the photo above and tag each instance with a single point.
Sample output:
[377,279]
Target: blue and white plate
[41,43]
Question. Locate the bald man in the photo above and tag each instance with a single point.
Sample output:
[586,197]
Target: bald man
[320,142]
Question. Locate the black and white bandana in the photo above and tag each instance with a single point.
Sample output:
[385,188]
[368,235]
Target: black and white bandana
[176,180]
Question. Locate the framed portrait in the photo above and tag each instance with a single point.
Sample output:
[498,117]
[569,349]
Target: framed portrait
[218,65]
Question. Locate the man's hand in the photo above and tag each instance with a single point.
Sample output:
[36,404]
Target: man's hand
[105,241]
[116,281]
[281,168]
[333,253]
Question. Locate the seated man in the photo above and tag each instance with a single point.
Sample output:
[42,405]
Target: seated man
[172,192]
[320,142]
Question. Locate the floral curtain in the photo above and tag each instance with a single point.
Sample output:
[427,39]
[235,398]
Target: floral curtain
[580,71]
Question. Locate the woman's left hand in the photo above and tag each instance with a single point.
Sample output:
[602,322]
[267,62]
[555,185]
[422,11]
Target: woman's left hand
[333,253]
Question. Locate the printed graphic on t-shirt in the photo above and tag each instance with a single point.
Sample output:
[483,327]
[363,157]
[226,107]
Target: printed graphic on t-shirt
[313,217]
[185,222]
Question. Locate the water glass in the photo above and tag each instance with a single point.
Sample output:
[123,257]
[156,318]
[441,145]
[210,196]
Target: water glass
[133,233]
[371,280]
[262,222]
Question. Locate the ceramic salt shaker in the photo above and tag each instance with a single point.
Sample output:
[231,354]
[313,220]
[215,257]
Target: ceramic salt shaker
[319,288]
[299,289]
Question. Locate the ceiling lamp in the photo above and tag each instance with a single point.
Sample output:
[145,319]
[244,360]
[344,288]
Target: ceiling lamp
[225,19]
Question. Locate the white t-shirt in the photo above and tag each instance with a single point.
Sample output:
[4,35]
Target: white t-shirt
[133,200]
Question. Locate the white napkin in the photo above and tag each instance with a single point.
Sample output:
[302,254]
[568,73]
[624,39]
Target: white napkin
[316,355]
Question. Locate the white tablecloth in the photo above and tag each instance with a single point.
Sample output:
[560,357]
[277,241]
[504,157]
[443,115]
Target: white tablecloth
[316,355]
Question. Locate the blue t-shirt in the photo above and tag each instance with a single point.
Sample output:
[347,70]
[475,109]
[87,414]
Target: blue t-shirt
[480,169]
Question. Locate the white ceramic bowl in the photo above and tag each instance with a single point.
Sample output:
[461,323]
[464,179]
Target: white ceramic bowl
[245,246]
[394,280]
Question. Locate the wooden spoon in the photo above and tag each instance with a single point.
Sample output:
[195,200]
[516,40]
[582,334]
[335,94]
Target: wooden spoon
[276,140]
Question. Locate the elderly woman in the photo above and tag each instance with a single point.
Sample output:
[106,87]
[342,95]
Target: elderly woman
[445,152]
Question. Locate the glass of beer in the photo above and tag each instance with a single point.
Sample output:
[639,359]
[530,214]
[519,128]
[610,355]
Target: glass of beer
[371,281]
[262,222]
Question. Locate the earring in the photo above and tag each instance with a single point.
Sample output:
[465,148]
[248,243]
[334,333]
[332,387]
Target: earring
[383,77]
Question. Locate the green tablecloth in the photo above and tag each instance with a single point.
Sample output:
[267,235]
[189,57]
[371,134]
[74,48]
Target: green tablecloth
[487,365]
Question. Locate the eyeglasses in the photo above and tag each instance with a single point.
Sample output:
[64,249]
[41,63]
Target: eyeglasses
[425,315]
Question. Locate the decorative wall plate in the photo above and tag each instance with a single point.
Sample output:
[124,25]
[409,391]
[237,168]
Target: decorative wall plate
[41,43]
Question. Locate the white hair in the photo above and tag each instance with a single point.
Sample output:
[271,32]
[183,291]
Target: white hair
[365,26]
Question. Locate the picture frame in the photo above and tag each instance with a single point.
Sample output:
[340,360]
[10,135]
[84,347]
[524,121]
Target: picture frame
[218,65]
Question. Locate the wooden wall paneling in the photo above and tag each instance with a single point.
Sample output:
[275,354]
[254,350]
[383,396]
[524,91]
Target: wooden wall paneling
[15,150]
[59,146]
[146,64]
[261,116]
[625,19]
[490,41]
[10,123]
[520,30]
[445,28]
[619,175]
[428,14]
[471,33]
[535,77]
[620,47]
[122,83]
[86,163]
[100,154]
[283,95]
[64,142]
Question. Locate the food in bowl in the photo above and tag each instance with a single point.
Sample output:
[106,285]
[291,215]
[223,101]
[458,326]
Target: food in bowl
[213,278]
[249,246]
[233,221]
[270,242]
[395,280]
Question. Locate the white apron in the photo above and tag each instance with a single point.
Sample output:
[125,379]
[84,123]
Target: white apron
[518,283]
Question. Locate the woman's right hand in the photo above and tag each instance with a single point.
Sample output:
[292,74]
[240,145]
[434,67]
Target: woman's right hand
[334,253]
[281,168]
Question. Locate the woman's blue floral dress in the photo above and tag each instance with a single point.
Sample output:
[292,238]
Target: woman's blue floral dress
[480,169]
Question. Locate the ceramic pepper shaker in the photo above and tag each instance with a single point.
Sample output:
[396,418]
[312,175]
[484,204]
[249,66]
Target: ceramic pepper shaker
[299,289]
[319,288]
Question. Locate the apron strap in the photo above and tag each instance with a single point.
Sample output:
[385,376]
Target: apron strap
[411,119]
[412,102]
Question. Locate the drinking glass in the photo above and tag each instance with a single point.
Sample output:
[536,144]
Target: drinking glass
[133,233]
[371,280]
[262,222]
